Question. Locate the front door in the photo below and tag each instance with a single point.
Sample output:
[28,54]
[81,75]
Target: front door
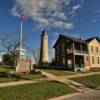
[79,61]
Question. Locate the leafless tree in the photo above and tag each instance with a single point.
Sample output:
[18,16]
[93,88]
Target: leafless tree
[9,43]
[36,55]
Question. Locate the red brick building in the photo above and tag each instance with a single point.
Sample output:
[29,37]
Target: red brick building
[71,53]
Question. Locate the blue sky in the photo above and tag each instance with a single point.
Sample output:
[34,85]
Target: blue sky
[70,17]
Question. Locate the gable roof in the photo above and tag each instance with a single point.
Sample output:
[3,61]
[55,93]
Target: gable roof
[74,39]
[90,39]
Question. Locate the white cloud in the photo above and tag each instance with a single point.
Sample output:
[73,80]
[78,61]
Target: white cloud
[94,21]
[76,7]
[56,35]
[47,13]
[96,11]
[14,11]
[96,16]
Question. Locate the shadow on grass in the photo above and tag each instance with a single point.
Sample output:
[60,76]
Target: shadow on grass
[92,87]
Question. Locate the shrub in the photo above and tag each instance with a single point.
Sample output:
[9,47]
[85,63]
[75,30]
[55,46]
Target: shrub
[35,71]
[53,63]
[10,59]
[17,76]
[5,74]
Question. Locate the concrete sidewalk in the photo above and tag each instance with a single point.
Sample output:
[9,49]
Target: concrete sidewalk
[49,76]
[65,79]
[82,89]
[52,76]
[79,75]
[89,95]
[7,84]
[79,87]
[65,96]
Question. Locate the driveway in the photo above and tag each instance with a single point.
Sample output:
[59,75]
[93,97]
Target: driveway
[90,95]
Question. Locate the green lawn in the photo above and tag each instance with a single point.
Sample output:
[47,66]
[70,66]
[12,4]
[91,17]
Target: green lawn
[3,80]
[92,81]
[23,77]
[4,69]
[60,72]
[95,69]
[35,91]
[32,76]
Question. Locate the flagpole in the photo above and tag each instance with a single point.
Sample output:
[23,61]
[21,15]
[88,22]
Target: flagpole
[21,36]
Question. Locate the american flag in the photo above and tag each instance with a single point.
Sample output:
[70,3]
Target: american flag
[23,17]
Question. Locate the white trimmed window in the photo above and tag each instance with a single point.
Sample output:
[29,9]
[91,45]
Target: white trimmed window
[63,59]
[63,48]
[97,59]
[97,49]
[57,58]
[57,49]
[91,48]
[93,60]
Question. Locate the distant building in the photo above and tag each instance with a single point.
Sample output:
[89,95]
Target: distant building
[44,48]
[94,51]
[71,53]
[22,52]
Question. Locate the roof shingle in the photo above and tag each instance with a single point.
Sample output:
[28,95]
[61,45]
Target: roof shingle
[74,39]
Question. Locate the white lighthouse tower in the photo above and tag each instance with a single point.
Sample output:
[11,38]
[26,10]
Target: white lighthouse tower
[44,47]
